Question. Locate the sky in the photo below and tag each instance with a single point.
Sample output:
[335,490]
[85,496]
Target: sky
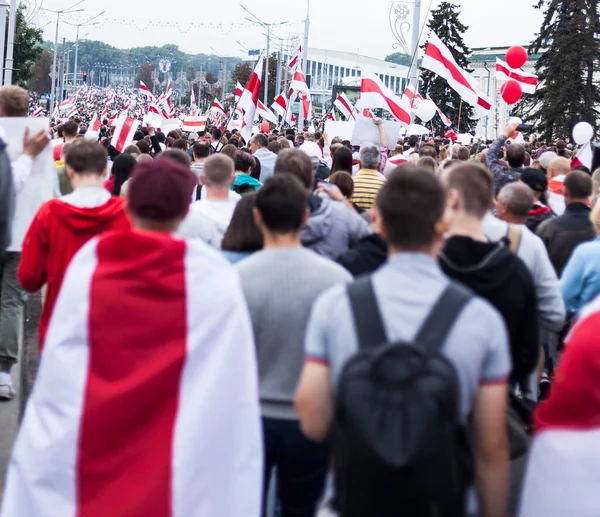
[344,26]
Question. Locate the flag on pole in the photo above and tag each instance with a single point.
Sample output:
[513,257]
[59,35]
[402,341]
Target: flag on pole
[217,107]
[528,82]
[298,84]
[95,123]
[109,100]
[72,112]
[375,94]
[331,115]
[412,96]
[125,128]
[89,96]
[439,60]
[343,104]
[265,113]
[447,122]
[67,104]
[38,112]
[145,91]
[192,98]
[194,124]
[135,428]
[296,57]
[249,100]
[280,105]
[239,89]
[585,157]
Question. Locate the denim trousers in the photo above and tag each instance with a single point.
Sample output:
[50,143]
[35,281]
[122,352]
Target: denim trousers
[12,301]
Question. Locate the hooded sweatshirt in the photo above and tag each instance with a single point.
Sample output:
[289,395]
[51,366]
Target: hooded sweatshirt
[332,228]
[57,232]
[208,220]
[491,271]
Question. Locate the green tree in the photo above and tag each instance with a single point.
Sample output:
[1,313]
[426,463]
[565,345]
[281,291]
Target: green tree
[446,24]
[40,81]
[145,74]
[272,79]
[570,54]
[398,58]
[28,47]
[242,73]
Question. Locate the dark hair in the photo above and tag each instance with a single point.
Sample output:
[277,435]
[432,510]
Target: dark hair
[475,185]
[160,137]
[427,162]
[180,143]
[428,150]
[242,234]
[274,147]
[463,153]
[411,203]
[244,161]
[261,140]
[291,138]
[132,149]
[296,163]
[413,140]
[229,150]
[282,203]
[343,180]
[583,168]
[342,160]
[515,155]
[300,139]
[234,140]
[177,155]
[201,150]
[121,170]
[86,157]
[217,134]
[578,185]
[143,146]
[70,129]
[139,135]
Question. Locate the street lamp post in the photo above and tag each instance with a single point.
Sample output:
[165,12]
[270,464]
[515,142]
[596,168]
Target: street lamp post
[304,59]
[10,47]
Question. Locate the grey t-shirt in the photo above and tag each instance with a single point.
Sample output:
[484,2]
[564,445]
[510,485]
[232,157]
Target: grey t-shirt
[407,287]
[280,287]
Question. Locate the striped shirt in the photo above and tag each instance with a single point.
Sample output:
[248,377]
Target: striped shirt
[367,183]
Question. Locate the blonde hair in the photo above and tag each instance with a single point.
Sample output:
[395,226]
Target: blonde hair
[595,217]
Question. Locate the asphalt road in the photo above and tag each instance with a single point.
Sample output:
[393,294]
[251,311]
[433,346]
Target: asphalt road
[9,421]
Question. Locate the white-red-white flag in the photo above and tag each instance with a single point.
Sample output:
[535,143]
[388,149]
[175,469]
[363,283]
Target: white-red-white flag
[298,85]
[67,104]
[136,428]
[439,60]
[217,107]
[412,96]
[375,94]
[504,72]
[265,113]
[296,57]
[239,89]
[145,91]
[343,104]
[280,105]
[72,112]
[447,122]
[584,158]
[125,128]
[194,124]
[192,98]
[331,115]
[110,99]
[249,100]
[95,123]
[38,112]
[89,96]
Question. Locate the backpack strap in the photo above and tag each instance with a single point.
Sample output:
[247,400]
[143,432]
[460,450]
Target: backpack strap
[514,235]
[442,317]
[365,310]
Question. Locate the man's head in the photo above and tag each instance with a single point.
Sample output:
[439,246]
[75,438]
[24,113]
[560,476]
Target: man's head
[257,142]
[216,135]
[369,156]
[515,156]
[143,146]
[85,159]
[470,191]
[201,152]
[577,187]
[514,203]
[427,150]
[558,167]
[409,211]
[70,130]
[536,180]
[413,140]
[281,206]
[463,154]
[14,102]
[218,176]
[298,164]
[159,194]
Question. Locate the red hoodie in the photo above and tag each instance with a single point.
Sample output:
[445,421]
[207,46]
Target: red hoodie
[55,235]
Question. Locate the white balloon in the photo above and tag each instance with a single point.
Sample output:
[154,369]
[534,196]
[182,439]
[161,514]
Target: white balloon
[583,132]
[426,110]
[514,120]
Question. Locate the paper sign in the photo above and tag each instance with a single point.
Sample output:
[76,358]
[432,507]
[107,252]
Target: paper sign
[41,185]
[342,129]
[153,119]
[170,125]
[365,130]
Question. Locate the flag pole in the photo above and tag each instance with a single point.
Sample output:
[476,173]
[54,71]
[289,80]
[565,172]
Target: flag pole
[459,114]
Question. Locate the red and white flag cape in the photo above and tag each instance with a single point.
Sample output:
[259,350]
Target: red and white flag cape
[296,57]
[145,91]
[585,157]
[528,82]
[343,104]
[439,59]
[95,123]
[217,107]
[375,94]
[265,113]
[194,124]
[249,100]
[412,96]
[125,128]
[564,460]
[156,414]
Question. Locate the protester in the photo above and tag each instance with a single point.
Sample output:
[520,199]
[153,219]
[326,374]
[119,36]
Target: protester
[209,218]
[537,181]
[243,237]
[515,156]
[62,226]
[148,380]
[411,207]
[122,169]
[201,152]
[70,131]
[332,226]
[564,233]
[342,160]
[215,141]
[514,203]
[267,159]
[14,102]
[368,179]
[557,171]
[64,182]
[286,271]
[244,183]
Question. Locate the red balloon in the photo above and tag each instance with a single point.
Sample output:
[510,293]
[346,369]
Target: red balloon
[516,57]
[265,127]
[511,91]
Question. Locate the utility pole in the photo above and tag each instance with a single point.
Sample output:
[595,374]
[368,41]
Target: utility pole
[414,70]
[304,61]
[10,46]
[61,96]
[3,7]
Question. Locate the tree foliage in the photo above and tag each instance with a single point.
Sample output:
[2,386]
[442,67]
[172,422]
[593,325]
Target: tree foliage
[570,54]
[28,48]
[446,24]
[398,58]
[40,80]
[145,74]
[242,73]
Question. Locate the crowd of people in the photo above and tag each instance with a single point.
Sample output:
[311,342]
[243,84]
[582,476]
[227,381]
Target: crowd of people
[298,325]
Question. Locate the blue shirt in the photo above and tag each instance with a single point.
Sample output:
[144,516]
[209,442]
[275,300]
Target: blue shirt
[580,282]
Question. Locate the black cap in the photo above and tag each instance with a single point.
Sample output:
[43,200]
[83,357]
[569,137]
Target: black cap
[535,179]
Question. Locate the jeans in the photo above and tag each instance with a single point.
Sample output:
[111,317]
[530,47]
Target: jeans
[12,301]
[302,467]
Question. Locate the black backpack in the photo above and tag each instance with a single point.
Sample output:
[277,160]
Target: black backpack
[7,199]
[400,448]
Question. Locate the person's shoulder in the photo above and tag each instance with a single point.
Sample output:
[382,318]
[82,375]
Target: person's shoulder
[548,225]
[326,267]
[479,317]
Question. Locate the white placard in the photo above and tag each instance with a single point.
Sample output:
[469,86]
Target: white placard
[365,130]
[170,125]
[342,129]
[41,185]
[153,119]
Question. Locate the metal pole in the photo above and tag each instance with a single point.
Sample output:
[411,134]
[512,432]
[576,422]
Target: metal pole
[487,118]
[61,96]
[76,57]
[279,57]
[3,6]
[54,69]
[266,96]
[414,70]
[304,59]
[10,47]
